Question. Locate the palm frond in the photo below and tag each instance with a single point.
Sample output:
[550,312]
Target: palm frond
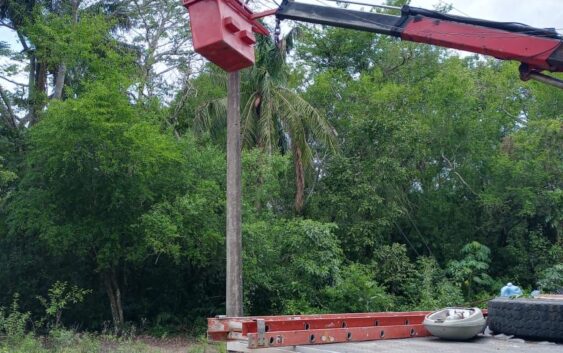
[316,124]
[249,120]
[293,113]
[212,116]
[266,125]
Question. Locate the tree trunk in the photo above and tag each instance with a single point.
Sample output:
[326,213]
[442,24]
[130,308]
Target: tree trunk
[61,70]
[60,82]
[299,179]
[32,67]
[114,295]
[58,317]
[38,92]
[6,108]
[41,78]
[234,236]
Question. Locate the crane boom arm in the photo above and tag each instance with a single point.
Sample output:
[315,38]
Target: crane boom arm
[537,49]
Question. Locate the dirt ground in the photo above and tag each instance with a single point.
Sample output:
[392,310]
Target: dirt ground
[179,344]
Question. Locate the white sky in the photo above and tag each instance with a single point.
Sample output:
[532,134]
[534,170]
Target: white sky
[537,13]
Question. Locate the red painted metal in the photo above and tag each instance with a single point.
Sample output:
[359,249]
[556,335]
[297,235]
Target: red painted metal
[222,31]
[379,319]
[528,49]
[316,329]
[264,13]
[324,336]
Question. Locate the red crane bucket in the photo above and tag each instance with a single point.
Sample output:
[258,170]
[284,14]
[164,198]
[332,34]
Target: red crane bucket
[223,32]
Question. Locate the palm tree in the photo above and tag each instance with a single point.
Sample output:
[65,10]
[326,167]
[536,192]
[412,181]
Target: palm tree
[275,117]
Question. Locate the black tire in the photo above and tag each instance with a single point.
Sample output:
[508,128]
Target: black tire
[527,318]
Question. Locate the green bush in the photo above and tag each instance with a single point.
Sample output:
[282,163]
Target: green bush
[67,341]
[551,279]
[13,322]
[357,291]
[432,289]
[393,268]
[470,273]
[287,264]
[60,296]
[26,344]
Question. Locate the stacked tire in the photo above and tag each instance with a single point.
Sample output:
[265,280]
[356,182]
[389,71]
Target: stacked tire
[535,319]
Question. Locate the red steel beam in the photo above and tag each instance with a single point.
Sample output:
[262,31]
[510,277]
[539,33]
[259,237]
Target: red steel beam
[313,316]
[324,336]
[331,323]
[226,324]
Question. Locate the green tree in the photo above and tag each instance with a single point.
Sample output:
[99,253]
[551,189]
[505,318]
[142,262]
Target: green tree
[60,296]
[431,290]
[471,271]
[288,263]
[159,31]
[393,268]
[364,189]
[6,178]
[190,225]
[551,279]
[357,291]
[524,200]
[58,40]
[94,168]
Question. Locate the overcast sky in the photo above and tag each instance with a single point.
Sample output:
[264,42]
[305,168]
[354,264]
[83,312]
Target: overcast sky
[537,13]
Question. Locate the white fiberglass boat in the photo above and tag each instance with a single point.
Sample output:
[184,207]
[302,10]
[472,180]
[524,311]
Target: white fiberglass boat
[455,323]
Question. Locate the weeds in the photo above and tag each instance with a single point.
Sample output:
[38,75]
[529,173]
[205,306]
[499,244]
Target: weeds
[13,322]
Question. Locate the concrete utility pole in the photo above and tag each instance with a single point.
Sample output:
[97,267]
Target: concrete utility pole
[234,234]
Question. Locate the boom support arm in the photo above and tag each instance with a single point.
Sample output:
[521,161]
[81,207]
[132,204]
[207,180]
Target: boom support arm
[537,49]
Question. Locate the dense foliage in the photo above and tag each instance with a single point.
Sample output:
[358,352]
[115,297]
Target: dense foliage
[377,174]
